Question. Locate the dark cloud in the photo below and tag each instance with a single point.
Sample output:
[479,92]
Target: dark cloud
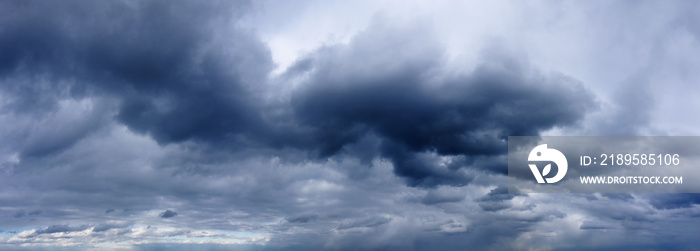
[107,226]
[22,213]
[174,78]
[393,87]
[500,194]
[61,229]
[673,201]
[317,157]
[303,218]
[167,214]
[497,199]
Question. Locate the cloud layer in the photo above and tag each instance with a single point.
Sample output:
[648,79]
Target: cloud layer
[155,124]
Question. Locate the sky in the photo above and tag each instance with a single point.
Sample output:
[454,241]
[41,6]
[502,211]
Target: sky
[306,125]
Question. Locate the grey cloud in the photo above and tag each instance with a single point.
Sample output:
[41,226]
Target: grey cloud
[673,201]
[494,206]
[618,196]
[500,194]
[436,197]
[159,65]
[589,225]
[64,129]
[629,113]
[303,218]
[167,214]
[108,226]
[22,213]
[370,222]
[61,229]
[497,199]
[154,57]
[367,117]
[361,88]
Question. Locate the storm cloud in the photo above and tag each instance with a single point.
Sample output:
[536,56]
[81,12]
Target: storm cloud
[390,84]
[160,60]
[174,80]
[263,125]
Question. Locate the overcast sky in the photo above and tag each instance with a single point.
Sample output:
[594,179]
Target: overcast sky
[331,125]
